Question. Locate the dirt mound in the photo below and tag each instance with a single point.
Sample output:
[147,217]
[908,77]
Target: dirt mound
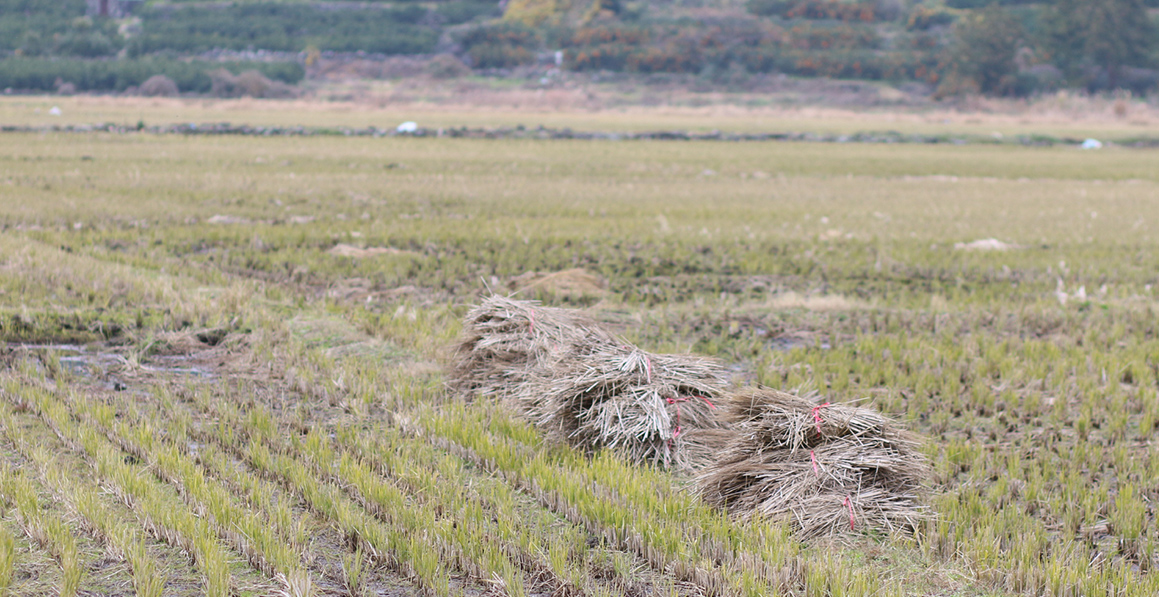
[579,382]
[159,86]
[250,83]
[573,283]
[226,219]
[345,250]
[188,342]
[824,469]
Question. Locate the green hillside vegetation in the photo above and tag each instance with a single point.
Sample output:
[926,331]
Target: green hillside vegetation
[37,27]
[293,28]
[1011,47]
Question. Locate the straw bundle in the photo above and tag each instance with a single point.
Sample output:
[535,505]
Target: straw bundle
[623,398]
[824,469]
[504,340]
[576,380]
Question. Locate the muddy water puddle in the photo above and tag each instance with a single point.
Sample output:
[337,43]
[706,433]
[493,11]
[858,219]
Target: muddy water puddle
[98,362]
[787,343]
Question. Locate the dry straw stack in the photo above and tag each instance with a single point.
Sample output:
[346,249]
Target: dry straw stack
[575,379]
[823,469]
[619,397]
[505,340]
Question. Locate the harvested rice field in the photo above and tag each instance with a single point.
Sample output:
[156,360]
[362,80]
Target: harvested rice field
[259,366]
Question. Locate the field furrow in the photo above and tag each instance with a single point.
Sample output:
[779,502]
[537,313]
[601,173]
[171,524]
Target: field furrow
[162,512]
[655,529]
[83,500]
[473,549]
[268,546]
[45,525]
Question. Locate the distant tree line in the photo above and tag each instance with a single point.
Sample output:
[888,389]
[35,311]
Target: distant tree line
[48,43]
[998,47]
[60,27]
[57,27]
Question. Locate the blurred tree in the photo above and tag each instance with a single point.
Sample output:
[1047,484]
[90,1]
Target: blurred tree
[1107,34]
[985,49]
[602,9]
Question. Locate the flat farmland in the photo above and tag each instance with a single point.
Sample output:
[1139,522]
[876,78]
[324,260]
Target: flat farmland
[223,369]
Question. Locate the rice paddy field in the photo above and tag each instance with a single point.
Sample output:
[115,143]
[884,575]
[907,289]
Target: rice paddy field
[223,369]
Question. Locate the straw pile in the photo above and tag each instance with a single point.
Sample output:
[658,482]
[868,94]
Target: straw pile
[824,469]
[578,381]
[623,398]
[504,341]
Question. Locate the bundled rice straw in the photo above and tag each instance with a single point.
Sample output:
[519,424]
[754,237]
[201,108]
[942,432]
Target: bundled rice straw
[824,469]
[623,398]
[505,339]
[577,380]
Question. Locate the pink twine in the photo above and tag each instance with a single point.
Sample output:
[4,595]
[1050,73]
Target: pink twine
[648,362]
[531,314]
[676,402]
[849,504]
[817,416]
[813,457]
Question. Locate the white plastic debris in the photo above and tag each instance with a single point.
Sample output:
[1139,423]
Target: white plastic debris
[1092,144]
[55,111]
[408,127]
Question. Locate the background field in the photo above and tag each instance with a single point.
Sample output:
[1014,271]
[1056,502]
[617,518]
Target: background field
[441,105]
[199,388]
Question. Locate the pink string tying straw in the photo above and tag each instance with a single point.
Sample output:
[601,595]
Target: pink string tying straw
[531,315]
[676,402]
[817,416]
[849,504]
[816,469]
